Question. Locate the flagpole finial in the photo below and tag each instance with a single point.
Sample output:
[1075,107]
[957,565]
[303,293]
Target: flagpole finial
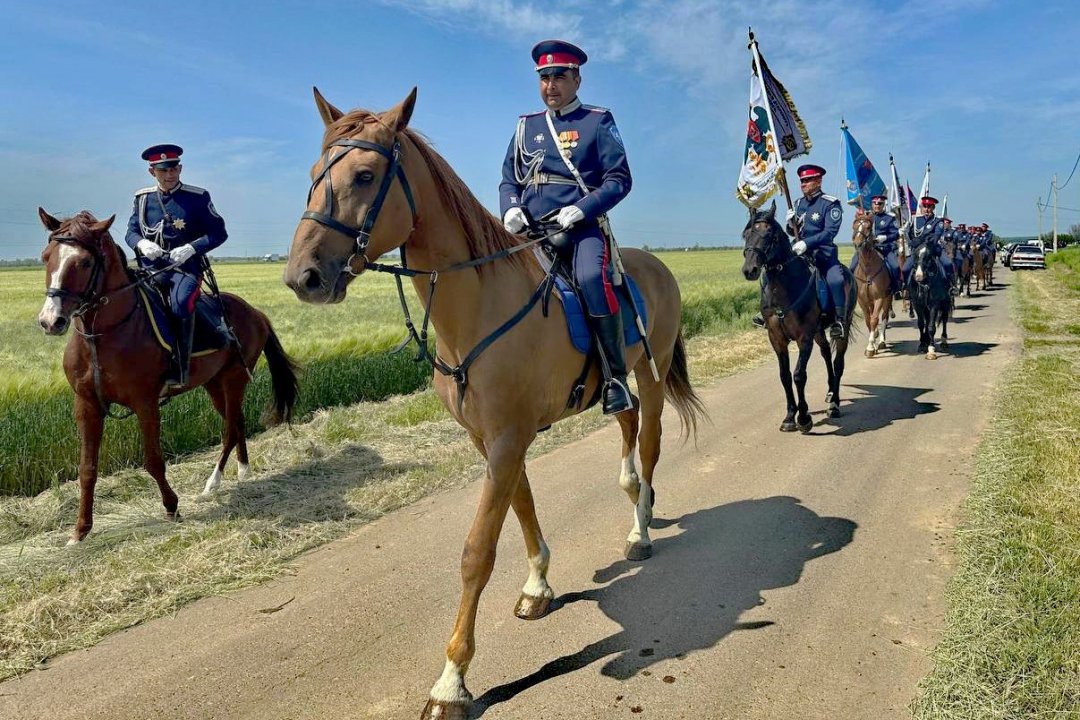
[843,125]
[750,30]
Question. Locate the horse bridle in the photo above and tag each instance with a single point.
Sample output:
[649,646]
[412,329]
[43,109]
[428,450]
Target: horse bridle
[361,235]
[89,297]
[766,253]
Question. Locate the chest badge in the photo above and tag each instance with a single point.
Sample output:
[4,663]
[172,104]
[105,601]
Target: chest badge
[539,138]
[568,139]
[816,216]
[179,223]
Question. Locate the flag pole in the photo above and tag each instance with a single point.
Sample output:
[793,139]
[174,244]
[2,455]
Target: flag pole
[781,175]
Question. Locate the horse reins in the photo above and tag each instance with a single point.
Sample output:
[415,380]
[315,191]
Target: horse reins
[362,237]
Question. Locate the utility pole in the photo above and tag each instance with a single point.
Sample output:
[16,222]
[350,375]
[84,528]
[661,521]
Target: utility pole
[1053,184]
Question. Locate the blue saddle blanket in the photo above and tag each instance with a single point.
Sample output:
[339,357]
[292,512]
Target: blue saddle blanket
[577,326]
[210,333]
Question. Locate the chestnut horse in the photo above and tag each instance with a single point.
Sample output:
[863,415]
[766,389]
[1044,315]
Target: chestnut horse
[114,356]
[790,306]
[871,282]
[377,173]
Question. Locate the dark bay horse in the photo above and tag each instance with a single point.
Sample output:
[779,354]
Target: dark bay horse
[872,283]
[379,186]
[790,307]
[930,298]
[114,357]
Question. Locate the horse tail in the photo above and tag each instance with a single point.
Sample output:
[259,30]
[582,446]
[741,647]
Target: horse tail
[283,380]
[678,390]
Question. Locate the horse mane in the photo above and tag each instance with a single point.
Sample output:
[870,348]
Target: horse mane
[484,232]
[78,228]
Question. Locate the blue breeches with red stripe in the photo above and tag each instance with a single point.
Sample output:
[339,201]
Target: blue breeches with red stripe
[593,271]
[182,290]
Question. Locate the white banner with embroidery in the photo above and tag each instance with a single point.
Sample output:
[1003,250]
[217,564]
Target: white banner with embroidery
[761,161]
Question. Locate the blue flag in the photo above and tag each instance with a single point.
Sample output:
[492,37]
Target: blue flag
[862,180]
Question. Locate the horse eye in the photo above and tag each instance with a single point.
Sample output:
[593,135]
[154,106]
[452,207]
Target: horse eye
[364,177]
[84,263]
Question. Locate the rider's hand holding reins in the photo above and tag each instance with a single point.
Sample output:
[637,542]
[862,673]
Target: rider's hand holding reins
[799,247]
[182,254]
[568,216]
[150,249]
[514,220]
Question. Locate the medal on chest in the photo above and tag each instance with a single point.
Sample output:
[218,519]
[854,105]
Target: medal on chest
[567,141]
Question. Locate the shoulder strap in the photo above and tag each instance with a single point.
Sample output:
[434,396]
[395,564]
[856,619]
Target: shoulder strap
[566,160]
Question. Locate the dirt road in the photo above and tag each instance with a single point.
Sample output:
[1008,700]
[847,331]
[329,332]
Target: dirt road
[793,576]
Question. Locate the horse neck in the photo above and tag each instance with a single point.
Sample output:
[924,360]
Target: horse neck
[119,304]
[462,297]
[789,283]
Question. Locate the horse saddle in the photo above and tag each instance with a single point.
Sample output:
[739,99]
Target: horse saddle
[577,323]
[211,331]
[824,297]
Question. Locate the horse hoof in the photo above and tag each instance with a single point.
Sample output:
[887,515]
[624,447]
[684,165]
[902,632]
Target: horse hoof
[869,353]
[807,426]
[638,551]
[944,345]
[438,710]
[833,411]
[531,608]
[173,516]
[931,356]
[787,426]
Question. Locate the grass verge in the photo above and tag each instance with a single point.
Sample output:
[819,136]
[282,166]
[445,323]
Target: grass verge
[1012,642]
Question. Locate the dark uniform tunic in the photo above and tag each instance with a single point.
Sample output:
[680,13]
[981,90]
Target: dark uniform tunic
[535,177]
[819,222]
[182,216]
[923,230]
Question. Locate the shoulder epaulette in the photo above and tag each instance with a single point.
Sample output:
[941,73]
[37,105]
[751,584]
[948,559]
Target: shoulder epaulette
[145,190]
[830,198]
[193,189]
[533,114]
[595,108]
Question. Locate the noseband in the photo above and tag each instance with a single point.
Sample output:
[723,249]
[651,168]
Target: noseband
[89,296]
[765,254]
[361,235]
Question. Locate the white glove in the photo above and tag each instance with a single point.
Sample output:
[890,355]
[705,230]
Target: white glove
[790,214]
[799,248]
[182,254]
[150,249]
[514,220]
[568,216]
[882,238]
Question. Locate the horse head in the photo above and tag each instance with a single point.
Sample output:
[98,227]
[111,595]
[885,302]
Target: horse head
[764,242]
[360,205]
[925,265]
[78,258]
[862,232]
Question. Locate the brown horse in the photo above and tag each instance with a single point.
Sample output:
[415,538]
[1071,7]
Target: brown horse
[982,267]
[872,283]
[114,356]
[375,168]
[963,271]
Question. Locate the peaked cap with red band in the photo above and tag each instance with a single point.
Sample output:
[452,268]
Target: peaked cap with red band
[928,201]
[882,198]
[163,156]
[554,56]
[810,171]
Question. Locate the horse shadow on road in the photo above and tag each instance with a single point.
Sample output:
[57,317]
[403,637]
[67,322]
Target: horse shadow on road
[878,407]
[691,594]
[957,348]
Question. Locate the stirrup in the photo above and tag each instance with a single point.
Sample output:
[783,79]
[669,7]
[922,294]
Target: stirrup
[758,320]
[617,397]
[836,330]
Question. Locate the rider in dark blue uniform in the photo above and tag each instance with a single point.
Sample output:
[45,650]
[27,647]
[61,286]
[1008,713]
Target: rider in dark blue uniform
[949,260]
[817,217]
[173,224]
[568,163]
[886,233]
[925,229]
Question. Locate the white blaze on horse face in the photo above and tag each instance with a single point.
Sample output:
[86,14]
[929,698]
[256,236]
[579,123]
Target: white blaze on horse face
[50,311]
[450,687]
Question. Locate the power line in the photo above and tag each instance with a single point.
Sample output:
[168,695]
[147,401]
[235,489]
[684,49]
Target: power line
[1062,187]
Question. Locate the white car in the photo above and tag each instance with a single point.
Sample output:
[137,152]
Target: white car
[1027,256]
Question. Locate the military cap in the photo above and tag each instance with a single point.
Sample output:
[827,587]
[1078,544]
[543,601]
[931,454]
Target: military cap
[163,156]
[928,201]
[555,56]
[810,171]
[874,198]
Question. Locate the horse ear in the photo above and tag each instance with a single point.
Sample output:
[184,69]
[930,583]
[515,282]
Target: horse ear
[48,220]
[772,210]
[328,112]
[398,116]
[102,226]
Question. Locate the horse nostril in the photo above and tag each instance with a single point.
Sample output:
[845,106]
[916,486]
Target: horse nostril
[61,323]
[310,280]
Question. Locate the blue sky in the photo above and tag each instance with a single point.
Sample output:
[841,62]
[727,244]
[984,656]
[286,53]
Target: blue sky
[988,92]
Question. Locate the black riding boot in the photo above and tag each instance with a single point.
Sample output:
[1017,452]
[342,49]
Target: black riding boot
[609,334]
[178,373]
[836,330]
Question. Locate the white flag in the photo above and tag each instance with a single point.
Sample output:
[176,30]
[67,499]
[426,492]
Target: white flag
[761,158]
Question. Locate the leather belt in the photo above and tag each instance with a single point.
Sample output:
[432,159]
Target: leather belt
[542,178]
